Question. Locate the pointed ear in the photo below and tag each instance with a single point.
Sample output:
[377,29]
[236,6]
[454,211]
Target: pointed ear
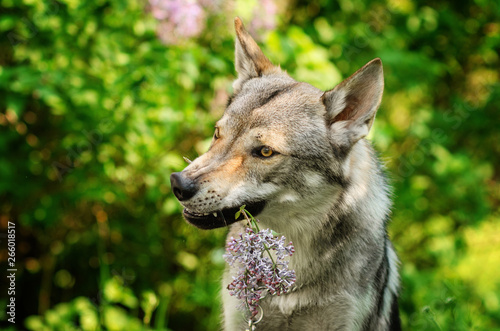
[351,106]
[250,62]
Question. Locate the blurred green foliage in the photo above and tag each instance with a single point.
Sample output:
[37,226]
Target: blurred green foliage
[96,113]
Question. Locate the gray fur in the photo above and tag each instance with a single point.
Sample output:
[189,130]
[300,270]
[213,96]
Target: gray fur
[324,189]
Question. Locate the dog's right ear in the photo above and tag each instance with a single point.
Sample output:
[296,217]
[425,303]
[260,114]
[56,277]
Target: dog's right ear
[250,62]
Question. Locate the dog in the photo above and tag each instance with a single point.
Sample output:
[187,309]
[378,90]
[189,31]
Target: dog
[297,158]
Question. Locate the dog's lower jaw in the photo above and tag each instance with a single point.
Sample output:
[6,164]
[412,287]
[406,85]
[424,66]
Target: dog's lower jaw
[221,218]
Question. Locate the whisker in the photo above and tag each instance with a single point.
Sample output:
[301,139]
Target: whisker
[187,160]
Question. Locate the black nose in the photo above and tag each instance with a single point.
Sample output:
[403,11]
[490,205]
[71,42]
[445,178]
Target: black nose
[183,187]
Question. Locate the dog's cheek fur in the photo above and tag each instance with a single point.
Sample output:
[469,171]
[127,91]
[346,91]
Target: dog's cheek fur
[288,177]
[240,181]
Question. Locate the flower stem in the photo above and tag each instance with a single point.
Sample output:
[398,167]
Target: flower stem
[252,222]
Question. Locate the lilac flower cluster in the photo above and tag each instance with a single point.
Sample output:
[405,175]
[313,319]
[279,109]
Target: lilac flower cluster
[264,16]
[178,19]
[183,19]
[259,275]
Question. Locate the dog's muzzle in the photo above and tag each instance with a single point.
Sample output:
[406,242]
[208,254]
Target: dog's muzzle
[185,188]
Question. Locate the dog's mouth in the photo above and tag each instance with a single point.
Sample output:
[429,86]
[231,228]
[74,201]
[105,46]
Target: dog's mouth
[221,218]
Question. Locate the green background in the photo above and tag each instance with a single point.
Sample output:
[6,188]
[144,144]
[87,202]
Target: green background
[96,112]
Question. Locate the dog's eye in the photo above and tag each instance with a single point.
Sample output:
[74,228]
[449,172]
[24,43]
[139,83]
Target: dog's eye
[266,151]
[216,133]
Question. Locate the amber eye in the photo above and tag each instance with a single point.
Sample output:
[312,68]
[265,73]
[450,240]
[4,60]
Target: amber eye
[216,133]
[266,151]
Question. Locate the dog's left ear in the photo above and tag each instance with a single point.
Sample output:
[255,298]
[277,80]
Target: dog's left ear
[250,61]
[351,106]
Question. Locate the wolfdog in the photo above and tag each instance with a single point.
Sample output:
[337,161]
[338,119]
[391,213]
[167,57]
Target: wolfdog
[297,158]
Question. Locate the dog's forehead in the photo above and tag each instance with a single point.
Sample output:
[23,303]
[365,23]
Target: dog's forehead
[273,101]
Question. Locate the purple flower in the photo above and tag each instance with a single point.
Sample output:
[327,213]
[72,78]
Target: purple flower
[181,19]
[178,18]
[264,16]
[259,275]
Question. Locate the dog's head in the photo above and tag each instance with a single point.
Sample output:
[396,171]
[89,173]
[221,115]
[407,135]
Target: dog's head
[278,142]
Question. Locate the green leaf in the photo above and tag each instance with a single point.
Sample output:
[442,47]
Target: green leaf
[274,233]
[238,213]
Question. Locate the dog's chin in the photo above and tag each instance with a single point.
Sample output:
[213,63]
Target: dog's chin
[221,218]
